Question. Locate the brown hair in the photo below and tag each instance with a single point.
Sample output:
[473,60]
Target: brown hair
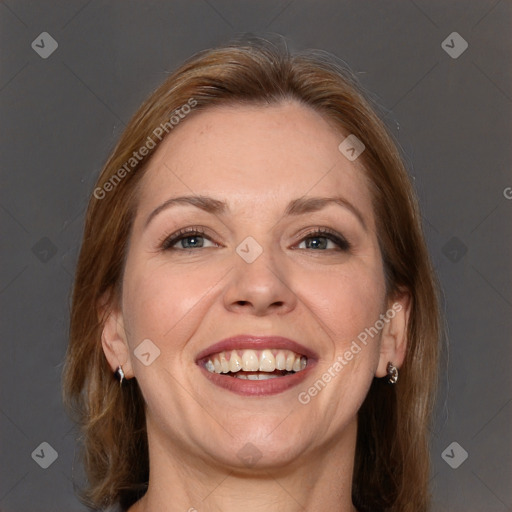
[392,454]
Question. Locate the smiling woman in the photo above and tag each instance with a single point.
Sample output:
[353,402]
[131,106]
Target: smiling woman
[267,250]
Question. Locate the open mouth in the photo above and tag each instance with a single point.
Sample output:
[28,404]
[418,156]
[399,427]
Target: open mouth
[251,364]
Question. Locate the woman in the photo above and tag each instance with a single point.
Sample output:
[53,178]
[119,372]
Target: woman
[254,272]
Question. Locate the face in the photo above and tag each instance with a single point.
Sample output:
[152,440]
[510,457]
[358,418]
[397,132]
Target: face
[284,278]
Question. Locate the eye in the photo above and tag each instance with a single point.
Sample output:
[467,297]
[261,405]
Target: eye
[320,239]
[195,238]
[186,239]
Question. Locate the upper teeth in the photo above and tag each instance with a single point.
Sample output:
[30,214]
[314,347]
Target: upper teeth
[255,360]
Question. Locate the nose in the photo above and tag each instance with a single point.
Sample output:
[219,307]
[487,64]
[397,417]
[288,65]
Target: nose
[260,288]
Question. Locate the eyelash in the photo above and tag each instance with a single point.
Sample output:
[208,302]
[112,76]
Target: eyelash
[167,242]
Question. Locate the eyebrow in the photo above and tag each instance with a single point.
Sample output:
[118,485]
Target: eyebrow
[298,206]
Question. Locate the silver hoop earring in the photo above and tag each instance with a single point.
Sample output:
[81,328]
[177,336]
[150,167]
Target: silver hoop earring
[120,374]
[392,373]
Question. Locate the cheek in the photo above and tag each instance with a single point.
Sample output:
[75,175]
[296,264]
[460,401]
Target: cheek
[343,301]
[153,303]
[164,302]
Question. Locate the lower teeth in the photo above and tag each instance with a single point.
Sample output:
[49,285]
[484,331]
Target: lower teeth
[259,376]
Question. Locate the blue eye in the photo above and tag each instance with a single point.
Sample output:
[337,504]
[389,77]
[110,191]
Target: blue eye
[191,241]
[319,240]
[190,238]
[195,238]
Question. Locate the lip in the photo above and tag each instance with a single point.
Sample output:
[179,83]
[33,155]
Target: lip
[256,387]
[249,341]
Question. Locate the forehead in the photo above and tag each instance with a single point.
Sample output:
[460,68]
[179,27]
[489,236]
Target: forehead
[248,153]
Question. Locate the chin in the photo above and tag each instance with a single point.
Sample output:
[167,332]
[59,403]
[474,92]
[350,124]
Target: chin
[263,445]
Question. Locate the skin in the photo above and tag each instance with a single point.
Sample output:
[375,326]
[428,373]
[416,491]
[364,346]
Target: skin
[256,159]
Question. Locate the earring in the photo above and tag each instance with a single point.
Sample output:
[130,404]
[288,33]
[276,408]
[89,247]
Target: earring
[392,375]
[119,374]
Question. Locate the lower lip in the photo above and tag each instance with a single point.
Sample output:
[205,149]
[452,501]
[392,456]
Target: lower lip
[258,387]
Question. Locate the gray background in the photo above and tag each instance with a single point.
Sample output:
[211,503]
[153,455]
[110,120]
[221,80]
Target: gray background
[62,115]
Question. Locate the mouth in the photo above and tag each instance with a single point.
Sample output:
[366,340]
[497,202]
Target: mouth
[250,365]
[256,364]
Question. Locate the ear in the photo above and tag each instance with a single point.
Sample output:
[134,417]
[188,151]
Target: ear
[393,343]
[113,337]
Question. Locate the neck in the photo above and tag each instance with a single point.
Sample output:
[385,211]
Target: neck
[320,481]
